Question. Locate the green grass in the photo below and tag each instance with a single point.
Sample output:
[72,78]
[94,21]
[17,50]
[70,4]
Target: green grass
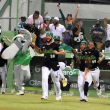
[33,102]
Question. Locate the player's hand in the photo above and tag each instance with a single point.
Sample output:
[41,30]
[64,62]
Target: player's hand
[46,13]
[44,25]
[78,5]
[5,38]
[105,19]
[74,51]
[55,52]
[58,6]
[78,60]
[99,61]
[108,63]
[33,44]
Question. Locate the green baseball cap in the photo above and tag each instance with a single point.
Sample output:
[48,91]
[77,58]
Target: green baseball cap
[47,18]
[1,40]
[50,33]
[98,20]
[84,42]
[56,37]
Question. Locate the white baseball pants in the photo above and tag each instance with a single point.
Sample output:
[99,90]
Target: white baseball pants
[55,79]
[81,84]
[3,73]
[93,76]
[62,67]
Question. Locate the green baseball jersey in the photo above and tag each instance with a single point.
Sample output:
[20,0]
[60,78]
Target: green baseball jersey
[22,59]
[61,58]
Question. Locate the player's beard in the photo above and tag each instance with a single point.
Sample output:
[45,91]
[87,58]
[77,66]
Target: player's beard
[56,23]
[49,41]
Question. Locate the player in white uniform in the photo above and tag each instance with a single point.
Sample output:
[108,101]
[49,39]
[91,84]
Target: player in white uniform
[3,65]
[51,51]
[92,71]
[82,64]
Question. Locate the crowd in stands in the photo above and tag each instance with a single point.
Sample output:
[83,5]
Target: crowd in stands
[69,33]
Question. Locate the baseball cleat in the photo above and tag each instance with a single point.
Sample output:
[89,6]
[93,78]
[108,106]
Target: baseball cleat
[64,81]
[99,92]
[85,99]
[22,88]
[58,98]
[44,97]
[3,92]
[20,92]
[82,100]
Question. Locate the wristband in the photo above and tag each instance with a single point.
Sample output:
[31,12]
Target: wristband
[76,56]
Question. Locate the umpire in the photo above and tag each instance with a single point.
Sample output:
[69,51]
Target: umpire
[3,67]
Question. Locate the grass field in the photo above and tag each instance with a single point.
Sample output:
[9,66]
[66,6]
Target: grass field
[33,102]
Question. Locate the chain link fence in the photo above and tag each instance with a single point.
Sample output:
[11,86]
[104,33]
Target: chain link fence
[87,12]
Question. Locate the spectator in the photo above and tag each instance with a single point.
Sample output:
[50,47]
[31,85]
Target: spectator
[107,42]
[57,29]
[47,22]
[97,34]
[20,25]
[68,22]
[78,36]
[36,20]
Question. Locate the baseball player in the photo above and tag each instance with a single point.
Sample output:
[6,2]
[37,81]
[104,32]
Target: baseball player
[61,59]
[3,65]
[81,63]
[92,71]
[51,51]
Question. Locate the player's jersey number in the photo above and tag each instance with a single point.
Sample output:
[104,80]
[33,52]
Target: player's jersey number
[93,61]
[52,56]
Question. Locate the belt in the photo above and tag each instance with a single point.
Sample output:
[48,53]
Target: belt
[94,69]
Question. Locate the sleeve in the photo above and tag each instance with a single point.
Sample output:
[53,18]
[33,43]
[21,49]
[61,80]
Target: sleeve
[91,30]
[74,59]
[63,29]
[41,48]
[19,26]
[29,20]
[98,53]
[41,19]
[108,26]
[41,25]
[62,15]
[50,26]
[103,34]
[59,47]
[74,30]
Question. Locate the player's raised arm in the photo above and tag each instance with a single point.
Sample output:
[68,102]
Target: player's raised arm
[102,58]
[36,48]
[105,22]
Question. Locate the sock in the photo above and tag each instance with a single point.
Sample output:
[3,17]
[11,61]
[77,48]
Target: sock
[86,88]
[98,87]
